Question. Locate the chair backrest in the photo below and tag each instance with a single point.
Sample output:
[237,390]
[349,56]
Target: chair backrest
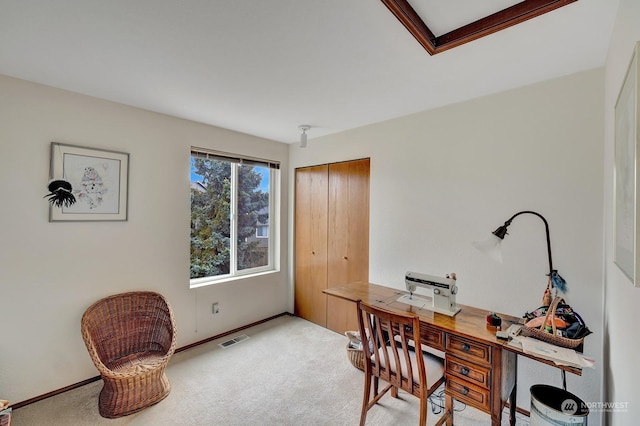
[128,323]
[389,354]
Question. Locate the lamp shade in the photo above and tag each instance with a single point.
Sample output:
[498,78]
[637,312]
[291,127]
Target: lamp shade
[491,246]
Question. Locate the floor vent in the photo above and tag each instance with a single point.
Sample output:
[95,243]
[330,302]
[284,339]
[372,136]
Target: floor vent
[233,341]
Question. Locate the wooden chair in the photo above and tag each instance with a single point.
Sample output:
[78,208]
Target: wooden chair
[390,356]
[130,338]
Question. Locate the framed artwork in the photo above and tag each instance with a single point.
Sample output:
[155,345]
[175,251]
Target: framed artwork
[625,230]
[99,181]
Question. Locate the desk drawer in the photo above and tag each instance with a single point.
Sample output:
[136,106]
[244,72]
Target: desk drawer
[468,393]
[468,371]
[432,337]
[468,349]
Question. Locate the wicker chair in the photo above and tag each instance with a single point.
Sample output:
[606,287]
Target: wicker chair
[130,338]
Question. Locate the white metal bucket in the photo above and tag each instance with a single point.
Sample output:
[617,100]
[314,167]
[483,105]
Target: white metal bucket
[556,407]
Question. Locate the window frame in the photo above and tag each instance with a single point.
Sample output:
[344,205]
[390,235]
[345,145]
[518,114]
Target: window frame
[274,216]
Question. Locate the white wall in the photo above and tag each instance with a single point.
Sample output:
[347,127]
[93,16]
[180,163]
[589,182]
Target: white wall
[443,178]
[51,272]
[622,315]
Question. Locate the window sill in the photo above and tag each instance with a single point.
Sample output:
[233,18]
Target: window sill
[203,282]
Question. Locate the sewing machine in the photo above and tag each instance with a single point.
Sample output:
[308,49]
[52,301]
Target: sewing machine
[442,293]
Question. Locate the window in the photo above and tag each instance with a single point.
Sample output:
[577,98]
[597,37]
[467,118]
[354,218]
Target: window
[232,216]
[262,231]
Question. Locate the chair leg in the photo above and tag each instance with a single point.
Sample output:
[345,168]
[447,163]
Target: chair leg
[365,399]
[424,408]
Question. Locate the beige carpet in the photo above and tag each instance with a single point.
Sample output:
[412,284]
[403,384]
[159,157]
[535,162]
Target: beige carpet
[289,372]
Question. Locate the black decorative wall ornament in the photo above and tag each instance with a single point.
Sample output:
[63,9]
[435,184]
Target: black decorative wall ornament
[60,193]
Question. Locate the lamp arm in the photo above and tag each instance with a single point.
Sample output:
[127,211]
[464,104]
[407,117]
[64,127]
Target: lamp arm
[546,227]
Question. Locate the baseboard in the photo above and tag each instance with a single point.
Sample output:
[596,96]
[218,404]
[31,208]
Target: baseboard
[227,333]
[54,393]
[180,349]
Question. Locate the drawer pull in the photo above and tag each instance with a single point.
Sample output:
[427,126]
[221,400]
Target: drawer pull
[465,347]
[464,391]
[465,371]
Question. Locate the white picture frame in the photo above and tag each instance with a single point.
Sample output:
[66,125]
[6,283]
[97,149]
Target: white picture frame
[99,181]
[625,229]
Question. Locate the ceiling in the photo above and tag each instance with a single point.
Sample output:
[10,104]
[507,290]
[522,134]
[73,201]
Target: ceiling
[265,67]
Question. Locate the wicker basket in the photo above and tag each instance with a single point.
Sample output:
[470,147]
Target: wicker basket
[553,338]
[356,356]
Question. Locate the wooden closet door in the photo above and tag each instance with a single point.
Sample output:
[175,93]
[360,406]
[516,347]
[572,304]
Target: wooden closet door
[348,237]
[311,207]
[348,232]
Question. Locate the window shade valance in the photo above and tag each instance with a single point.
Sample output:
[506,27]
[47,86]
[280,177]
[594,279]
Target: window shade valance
[250,161]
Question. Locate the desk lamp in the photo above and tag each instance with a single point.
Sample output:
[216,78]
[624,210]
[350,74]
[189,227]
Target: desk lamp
[492,247]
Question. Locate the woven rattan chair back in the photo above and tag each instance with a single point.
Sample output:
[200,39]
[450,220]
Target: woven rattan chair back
[130,338]
[390,355]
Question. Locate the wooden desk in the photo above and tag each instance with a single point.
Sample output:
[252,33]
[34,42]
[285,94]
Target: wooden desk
[480,369]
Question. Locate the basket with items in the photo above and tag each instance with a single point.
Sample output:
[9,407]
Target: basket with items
[557,324]
[354,349]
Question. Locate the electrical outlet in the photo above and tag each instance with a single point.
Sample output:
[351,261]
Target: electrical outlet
[215,308]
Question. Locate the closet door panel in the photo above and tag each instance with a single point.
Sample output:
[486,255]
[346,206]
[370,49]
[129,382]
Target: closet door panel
[311,208]
[348,229]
